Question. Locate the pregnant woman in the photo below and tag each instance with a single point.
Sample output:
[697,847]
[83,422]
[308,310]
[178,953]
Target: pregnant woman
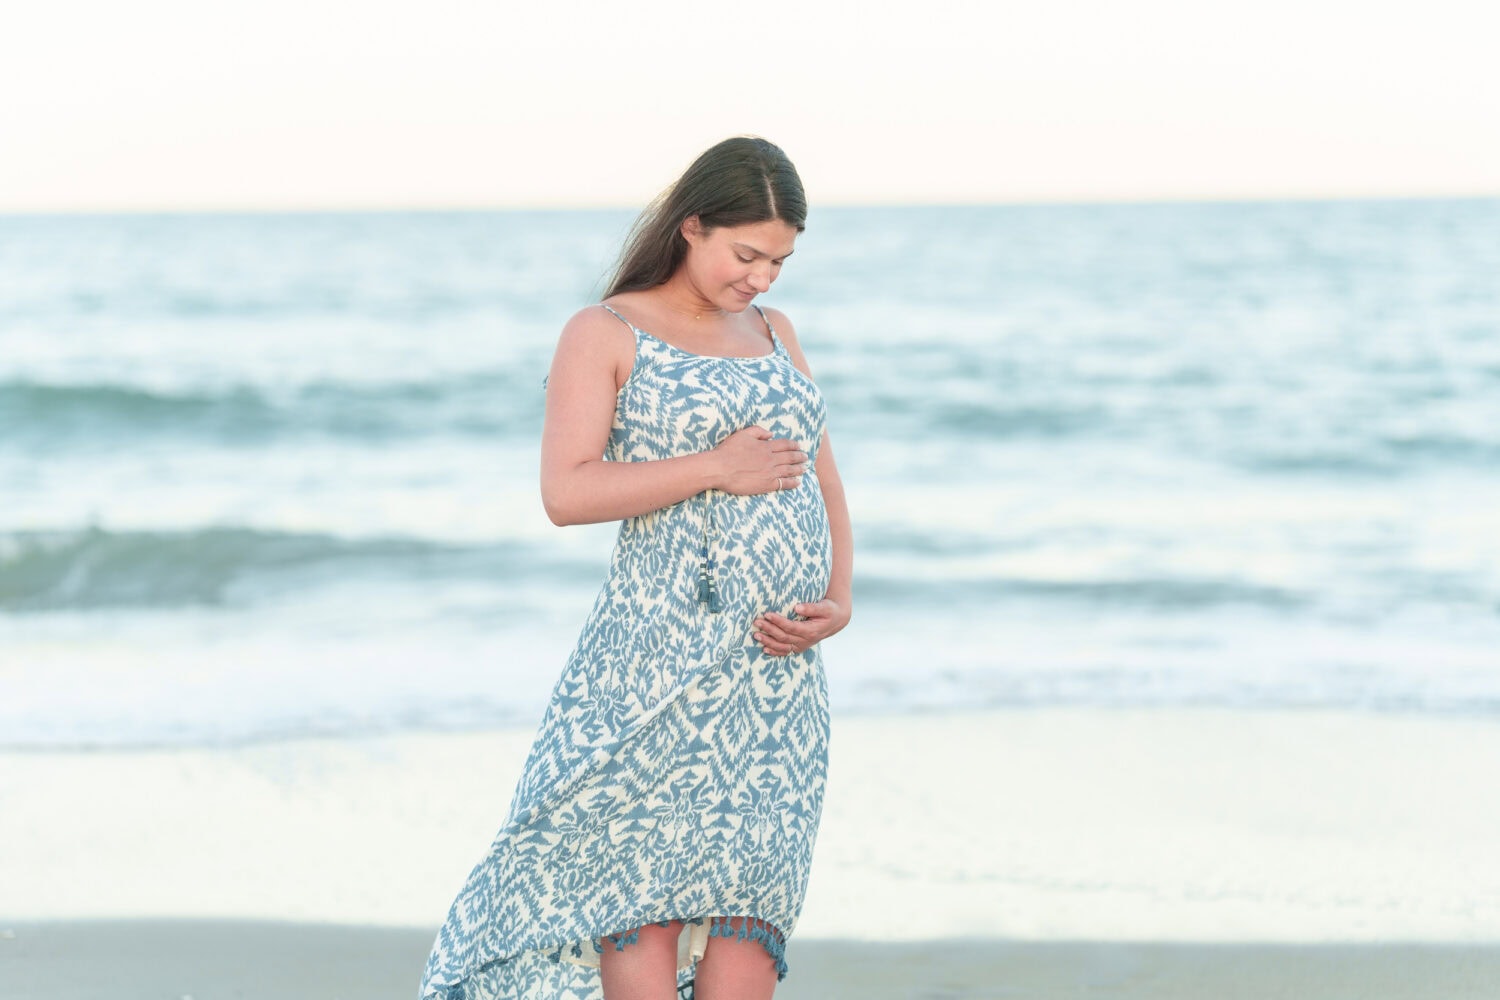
[660,837]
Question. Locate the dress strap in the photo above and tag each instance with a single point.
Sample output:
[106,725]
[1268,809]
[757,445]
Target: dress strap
[622,319]
[766,320]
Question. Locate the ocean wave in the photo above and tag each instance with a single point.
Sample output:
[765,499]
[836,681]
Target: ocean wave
[103,413]
[95,568]
[43,410]
[1375,455]
[1145,593]
[966,410]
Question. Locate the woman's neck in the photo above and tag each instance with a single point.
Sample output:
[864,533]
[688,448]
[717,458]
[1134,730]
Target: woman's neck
[678,296]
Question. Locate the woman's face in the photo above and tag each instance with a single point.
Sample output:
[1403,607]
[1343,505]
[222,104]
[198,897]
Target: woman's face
[731,265]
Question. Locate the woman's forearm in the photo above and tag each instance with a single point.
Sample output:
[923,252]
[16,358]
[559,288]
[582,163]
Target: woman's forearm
[597,490]
[749,461]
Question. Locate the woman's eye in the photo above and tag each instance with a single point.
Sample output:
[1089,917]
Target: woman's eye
[745,260]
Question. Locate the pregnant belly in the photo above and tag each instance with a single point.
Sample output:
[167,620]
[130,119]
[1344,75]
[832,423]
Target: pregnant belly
[773,550]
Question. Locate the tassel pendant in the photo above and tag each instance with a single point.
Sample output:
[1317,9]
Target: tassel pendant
[708,591]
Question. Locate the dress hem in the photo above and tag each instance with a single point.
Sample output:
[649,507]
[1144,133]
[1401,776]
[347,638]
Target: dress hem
[751,928]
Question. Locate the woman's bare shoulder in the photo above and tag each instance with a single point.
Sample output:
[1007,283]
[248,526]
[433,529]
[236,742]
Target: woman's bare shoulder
[780,323]
[788,335]
[593,339]
[632,306]
[595,327]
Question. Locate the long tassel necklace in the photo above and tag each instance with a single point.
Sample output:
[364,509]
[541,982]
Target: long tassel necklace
[708,591]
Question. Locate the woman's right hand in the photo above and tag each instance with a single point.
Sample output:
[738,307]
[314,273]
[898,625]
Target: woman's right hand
[753,461]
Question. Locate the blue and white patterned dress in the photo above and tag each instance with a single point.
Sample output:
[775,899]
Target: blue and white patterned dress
[678,772]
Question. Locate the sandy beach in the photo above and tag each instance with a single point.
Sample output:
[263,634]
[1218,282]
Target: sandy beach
[1055,852]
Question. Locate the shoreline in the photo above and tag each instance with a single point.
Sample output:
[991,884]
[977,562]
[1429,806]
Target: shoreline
[151,959]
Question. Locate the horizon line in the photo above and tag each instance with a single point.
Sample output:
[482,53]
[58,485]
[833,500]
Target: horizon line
[440,208]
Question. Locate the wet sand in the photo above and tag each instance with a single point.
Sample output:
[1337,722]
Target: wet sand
[249,960]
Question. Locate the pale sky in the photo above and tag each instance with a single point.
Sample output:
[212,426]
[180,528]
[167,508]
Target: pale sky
[299,104]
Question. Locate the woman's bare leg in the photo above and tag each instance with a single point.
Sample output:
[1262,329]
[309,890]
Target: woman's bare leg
[731,969]
[645,969]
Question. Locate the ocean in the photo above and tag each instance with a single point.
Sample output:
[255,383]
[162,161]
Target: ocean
[268,476]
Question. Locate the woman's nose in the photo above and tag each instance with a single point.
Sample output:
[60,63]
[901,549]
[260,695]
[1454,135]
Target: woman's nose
[760,278]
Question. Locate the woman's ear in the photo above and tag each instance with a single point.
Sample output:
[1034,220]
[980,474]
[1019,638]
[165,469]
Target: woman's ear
[692,229]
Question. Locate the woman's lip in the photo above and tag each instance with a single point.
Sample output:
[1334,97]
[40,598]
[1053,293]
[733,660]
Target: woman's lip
[748,295]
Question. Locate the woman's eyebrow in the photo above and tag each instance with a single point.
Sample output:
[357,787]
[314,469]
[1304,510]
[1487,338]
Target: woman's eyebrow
[762,253]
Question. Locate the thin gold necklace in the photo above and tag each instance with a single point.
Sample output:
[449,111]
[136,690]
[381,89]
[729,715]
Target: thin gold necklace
[697,314]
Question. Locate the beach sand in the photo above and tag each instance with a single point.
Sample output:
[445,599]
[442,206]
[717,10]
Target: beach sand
[1048,852]
[209,960]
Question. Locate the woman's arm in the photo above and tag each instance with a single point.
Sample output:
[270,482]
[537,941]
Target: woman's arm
[593,359]
[841,532]
[777,634]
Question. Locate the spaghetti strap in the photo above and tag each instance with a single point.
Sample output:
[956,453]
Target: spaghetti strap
[622,319]
[766,320]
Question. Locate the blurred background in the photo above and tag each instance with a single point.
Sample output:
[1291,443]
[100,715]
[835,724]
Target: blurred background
[1160,342]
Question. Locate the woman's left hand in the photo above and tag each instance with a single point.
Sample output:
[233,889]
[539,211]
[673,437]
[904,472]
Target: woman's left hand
[779,635]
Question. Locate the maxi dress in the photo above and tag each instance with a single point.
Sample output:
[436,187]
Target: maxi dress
[678,771]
